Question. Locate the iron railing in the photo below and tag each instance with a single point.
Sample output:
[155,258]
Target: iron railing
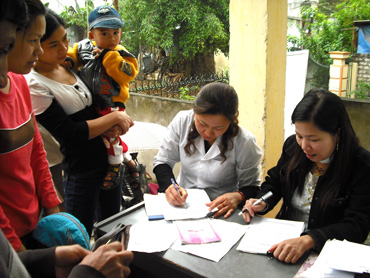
[177,86]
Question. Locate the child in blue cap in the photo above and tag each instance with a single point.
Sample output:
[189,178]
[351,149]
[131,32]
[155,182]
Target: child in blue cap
[107,67]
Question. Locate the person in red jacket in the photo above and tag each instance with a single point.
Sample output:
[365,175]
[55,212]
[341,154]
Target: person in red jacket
[26,185]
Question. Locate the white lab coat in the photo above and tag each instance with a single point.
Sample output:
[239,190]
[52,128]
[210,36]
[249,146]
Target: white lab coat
[206,170]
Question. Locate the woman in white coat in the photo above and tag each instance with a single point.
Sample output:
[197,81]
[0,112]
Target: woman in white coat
[216,154]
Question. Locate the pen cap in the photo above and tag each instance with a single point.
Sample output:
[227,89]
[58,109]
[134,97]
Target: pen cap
[267,195]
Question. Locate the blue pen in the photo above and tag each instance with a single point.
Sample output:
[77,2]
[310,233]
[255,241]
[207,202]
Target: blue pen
[175,185]
[177,189]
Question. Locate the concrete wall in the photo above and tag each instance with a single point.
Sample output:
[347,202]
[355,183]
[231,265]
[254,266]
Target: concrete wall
[157,110]
[359,113]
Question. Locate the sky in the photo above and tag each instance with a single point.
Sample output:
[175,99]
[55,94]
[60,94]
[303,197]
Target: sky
[58,5]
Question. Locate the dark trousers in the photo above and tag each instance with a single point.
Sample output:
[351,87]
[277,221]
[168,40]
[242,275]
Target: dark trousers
[85,199]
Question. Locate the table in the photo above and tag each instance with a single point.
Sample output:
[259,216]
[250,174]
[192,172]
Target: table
[172,263]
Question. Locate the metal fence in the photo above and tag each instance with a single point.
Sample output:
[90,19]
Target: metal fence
[177,86]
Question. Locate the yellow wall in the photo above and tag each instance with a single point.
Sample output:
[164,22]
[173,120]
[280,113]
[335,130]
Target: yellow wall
[257,70]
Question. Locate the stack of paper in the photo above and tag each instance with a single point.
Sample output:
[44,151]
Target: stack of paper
[153,206]
[340,259]
[264,232]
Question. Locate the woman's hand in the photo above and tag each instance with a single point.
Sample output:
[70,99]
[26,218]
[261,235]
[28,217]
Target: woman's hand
[291,250]
[112,125]
[251,209]
[226,204]
[174,198]
[124,122]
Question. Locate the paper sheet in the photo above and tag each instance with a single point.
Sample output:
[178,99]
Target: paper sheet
[194,207]
[197,231]
[152,236]
[340,259]
[264,232]
[349,256]
[321,269]
[229,232]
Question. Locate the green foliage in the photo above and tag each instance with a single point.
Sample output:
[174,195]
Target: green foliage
[185,92]
[77,15]
[184,27]
[362,91]
[323,28]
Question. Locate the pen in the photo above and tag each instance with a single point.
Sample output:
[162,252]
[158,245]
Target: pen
[244,210]
[263,198]
[175,185]
[211,213]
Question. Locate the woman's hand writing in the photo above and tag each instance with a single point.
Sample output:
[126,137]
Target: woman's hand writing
[291,250]
[226,204]
[251,209]
[174,198]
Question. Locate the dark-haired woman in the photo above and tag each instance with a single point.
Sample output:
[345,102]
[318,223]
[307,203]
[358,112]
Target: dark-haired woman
[323,176]
[63,105]
[26,185]
[216,154]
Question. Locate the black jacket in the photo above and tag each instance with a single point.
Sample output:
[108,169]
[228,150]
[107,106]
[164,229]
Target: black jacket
[346,217]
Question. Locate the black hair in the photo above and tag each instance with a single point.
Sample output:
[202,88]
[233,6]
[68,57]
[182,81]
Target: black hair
[35,9]
[14,11]
[53,22]
[327,112]
[216,99]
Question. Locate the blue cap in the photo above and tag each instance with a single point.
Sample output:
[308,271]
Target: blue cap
[105,17]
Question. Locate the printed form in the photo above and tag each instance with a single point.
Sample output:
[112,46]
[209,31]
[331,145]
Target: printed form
[264,232]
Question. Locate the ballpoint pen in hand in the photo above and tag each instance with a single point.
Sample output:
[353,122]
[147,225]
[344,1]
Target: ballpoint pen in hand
[263,198]
[175,185]
[177,189]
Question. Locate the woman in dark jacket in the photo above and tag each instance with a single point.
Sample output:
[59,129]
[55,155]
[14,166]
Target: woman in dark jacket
[323,176]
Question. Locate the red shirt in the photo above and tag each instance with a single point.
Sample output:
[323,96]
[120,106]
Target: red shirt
[25,179]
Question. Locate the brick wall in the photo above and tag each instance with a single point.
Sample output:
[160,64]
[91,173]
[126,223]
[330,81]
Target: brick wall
[363,61]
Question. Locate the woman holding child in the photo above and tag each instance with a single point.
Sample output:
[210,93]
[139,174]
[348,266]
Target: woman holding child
[63,105]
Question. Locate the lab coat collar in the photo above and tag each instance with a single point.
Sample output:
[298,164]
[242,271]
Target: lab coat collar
[212,152]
